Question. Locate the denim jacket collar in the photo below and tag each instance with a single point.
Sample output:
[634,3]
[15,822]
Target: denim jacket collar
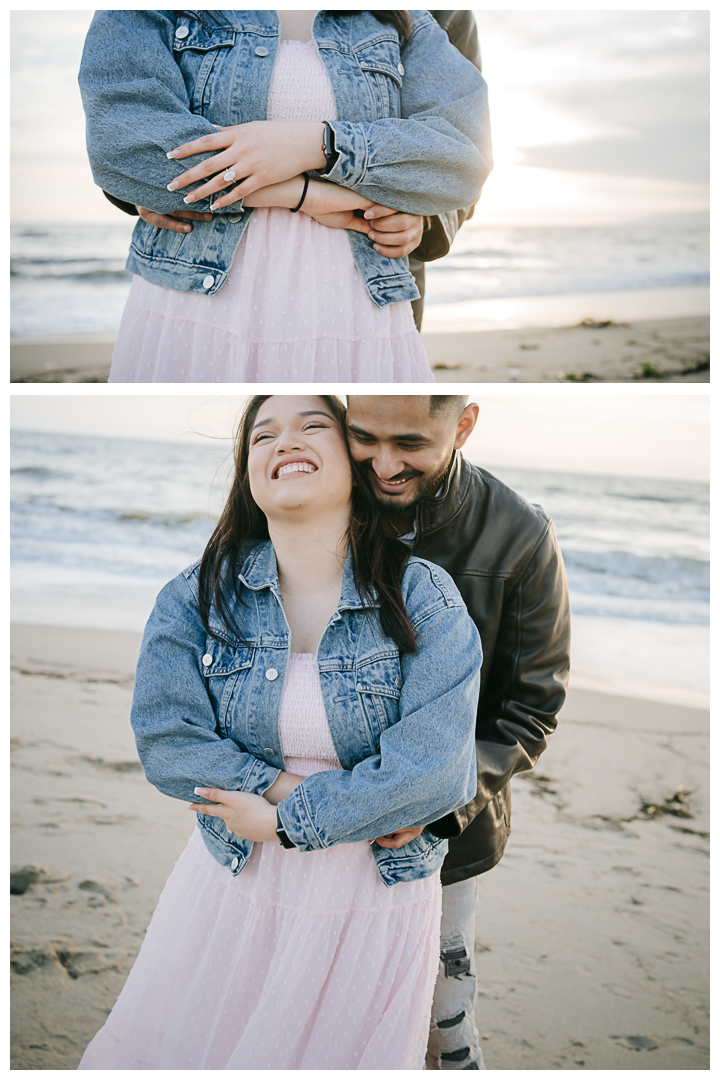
[260,571]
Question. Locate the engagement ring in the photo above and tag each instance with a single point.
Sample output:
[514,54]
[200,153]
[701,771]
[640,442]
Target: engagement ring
[228,175]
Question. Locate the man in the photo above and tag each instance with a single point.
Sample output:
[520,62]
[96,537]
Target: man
[396,235]
[503,555]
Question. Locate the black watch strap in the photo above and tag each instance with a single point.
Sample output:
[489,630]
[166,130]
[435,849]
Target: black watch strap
[331,154]
[282,835]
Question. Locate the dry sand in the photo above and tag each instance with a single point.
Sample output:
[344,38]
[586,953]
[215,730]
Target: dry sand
[667,350]
[657,350]
[592,934]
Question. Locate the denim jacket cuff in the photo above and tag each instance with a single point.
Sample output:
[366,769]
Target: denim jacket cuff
[294,814]
[351,147]
[260,777]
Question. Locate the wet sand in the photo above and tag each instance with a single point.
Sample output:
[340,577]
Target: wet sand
[652,350]
[591,934]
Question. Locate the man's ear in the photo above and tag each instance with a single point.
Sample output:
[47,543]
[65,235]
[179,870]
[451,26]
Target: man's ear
[466,423]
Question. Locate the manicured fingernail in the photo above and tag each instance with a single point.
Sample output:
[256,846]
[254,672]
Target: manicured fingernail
[215,206]
[170,154]
[186,228]
[172,185]
[371,235]
[376,247]
[189,199]
[200,790]
[369,214]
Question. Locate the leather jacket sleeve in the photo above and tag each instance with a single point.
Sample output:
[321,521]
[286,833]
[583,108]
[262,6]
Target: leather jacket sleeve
[126,207]
[527,681]
[461,29]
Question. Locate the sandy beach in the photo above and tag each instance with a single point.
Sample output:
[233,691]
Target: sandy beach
[592,932]
[645,350]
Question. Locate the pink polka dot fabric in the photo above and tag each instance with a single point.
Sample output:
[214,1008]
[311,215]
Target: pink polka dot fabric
[305,960]
[294,307]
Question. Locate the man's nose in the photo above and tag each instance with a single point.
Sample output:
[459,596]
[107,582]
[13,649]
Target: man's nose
[387,464]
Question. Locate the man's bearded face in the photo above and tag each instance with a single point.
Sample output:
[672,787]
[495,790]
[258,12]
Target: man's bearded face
[403,452]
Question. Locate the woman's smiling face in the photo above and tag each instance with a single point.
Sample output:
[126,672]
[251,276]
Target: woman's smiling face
[298,459]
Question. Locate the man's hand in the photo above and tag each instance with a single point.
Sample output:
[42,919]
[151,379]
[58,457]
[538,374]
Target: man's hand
[175,220]
[246,815]
[400,838]
[393,234]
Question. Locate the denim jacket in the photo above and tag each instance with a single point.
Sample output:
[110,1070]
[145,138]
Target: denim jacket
[411,132]
[206,712]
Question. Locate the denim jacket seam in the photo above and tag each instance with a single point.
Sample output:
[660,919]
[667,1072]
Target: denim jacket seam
[175,263]
[311,823]
[258,768]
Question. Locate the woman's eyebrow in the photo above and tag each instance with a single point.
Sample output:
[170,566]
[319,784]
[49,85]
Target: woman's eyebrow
[307,412]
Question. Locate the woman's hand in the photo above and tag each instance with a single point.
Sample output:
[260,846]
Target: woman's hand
[260,153]
[246,815]
[400,838]
[174,219]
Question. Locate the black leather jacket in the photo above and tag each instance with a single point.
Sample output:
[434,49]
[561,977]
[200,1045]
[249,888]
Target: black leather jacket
[503,555]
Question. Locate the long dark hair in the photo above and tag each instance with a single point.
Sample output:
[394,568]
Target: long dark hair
[378,560]
[399,19]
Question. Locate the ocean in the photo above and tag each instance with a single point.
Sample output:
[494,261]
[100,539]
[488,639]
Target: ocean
[100,524]
[70,279]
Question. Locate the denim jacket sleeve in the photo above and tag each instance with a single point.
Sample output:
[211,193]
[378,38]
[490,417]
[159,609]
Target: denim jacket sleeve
[426,763]
[172,715]
[437,155]
[137,108]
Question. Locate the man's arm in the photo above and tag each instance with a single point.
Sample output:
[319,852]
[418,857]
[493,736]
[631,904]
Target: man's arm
[527,681]
[440,229]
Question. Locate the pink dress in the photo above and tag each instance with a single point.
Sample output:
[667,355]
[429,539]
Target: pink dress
[305,960]
[294,307]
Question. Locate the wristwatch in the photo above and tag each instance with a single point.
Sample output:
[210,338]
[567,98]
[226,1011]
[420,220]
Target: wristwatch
[328,148]
[282,835]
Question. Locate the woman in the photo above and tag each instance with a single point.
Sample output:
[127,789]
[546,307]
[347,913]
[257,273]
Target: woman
[318,687]
[229,112]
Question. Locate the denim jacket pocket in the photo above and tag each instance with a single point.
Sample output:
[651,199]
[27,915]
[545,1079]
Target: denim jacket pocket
[418,859]
[225,668]
[378,683]
[380,61]
[196,47]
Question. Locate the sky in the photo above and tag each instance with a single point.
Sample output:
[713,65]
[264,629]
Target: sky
[597,116]
[664,436]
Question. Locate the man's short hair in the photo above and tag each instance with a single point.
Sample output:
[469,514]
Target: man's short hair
[447,404]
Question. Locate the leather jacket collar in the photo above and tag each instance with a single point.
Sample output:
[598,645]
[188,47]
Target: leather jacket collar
[439,511]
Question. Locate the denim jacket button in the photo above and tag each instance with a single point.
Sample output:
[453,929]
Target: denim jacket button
[401,69]
[271,674]
[208,282]
[398,683]
[268,751]
[261,51]
[207,659]
[235,863]
[182,32]
[234,218]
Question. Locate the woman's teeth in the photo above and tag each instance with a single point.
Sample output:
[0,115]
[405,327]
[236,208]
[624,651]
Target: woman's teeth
[295,467]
